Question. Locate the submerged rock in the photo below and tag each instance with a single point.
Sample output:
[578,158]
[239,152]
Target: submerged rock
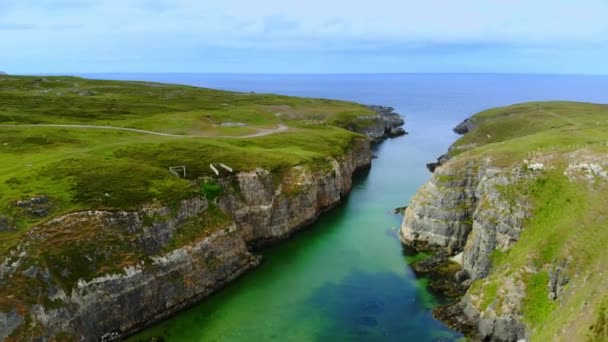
[441,272]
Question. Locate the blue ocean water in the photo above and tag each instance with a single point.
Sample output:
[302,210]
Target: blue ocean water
[347,278]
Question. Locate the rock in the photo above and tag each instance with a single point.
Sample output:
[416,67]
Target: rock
[36,200]
[440,271]
[386,123]
[396,131]
[503,329]
[448,210]
[38,206]
[400,210]
[440,161]
[454,315]
[461,211]
[9,321]
[557,280]
[30,272]
[464,127]
[86,93]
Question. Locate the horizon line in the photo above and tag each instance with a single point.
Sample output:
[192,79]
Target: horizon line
[299,74]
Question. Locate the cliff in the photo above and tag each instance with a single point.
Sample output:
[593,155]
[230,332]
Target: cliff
[515,202]
[150,269]
[104,229]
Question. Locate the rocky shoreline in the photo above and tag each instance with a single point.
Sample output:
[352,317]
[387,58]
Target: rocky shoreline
[461,218]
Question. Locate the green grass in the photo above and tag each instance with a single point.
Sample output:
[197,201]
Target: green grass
[104,169]
[511,133]
[599,330]
[537,304]
[568,217]
[211,190]
[154,106]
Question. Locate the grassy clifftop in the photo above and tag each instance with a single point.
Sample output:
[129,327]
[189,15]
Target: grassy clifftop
[75,168]
[560,258]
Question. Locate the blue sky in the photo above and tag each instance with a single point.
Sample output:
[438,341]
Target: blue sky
[312,36]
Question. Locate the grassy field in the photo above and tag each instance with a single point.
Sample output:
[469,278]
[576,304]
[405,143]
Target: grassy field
[569,221]
[79,168]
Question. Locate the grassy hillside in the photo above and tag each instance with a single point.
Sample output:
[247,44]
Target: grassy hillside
[568,227]
[83,168]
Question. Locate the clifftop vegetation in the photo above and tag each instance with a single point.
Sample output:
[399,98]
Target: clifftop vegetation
[48,171]
[560,257]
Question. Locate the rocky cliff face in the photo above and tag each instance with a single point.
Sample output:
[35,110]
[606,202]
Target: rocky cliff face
[145,276]
[265,214]
[461,210]
[464,211]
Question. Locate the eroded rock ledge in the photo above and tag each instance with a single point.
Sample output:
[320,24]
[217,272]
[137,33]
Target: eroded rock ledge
[140,289]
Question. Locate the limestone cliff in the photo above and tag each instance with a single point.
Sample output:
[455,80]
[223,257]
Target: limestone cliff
[518,202]
[461,210]
[150,271]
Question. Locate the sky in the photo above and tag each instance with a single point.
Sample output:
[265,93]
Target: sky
[312,36]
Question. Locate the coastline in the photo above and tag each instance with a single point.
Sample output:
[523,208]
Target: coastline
[168,281]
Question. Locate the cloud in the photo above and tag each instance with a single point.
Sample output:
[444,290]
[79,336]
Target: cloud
[165,31]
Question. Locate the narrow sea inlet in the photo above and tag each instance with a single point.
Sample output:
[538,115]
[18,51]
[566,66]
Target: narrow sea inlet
[346,277]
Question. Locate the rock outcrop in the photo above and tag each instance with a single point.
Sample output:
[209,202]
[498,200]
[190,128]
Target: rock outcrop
[440,161]
[385,124]
[143,276]
[465,127]
[461,209]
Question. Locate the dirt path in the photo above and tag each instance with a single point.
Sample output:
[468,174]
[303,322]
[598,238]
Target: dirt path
[260,133]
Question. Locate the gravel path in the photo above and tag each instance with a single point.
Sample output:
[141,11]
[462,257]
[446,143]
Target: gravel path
[260,133]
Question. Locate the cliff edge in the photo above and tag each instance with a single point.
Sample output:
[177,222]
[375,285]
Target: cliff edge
[106,228]
[517,202]
[158,260]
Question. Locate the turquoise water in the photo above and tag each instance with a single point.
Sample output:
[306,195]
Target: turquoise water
[347,278]
[344,278]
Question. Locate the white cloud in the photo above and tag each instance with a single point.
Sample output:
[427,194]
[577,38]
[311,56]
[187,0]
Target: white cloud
[135,28]
[513,21]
